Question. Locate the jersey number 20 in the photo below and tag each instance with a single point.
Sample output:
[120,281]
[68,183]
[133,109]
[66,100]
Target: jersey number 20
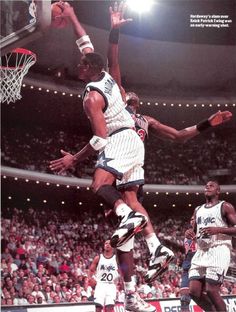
[107,277]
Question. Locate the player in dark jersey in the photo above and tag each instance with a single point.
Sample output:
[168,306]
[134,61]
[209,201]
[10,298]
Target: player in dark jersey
[141,122]
[190,249]
[144,124]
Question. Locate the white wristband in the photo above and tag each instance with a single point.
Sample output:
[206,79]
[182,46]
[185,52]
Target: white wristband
[84,42]
[86,45]
[97,143]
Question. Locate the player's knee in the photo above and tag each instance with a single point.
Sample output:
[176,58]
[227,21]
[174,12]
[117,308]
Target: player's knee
[194,295]
[128,246]
[212,293]
[184,302]
[108,193]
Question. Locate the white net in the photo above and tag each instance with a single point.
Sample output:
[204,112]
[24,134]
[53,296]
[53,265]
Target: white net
[13,67]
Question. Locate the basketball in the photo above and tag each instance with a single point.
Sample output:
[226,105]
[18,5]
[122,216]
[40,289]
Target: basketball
[58,21]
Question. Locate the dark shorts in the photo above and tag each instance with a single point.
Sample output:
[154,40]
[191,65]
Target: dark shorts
[185,280]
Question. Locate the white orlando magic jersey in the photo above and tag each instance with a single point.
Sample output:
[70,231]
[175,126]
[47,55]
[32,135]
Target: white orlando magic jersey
[116,116]
[107,270]
[211,217]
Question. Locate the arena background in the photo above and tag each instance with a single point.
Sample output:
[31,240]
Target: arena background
[182,76]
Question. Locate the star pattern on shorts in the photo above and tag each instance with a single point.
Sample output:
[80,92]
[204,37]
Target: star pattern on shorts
[220,277]
[102,160]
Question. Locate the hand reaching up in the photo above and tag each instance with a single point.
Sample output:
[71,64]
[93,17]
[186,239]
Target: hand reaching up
[117,15]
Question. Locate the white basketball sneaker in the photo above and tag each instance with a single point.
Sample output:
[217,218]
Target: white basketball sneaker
[158,263]
[133,302]
[131,224]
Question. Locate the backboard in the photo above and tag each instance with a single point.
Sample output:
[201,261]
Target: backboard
[23,21]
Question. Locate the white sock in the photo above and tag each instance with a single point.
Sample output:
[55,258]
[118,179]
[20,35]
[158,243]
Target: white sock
[123,210]
[133,279]
[152,242]
[129,287]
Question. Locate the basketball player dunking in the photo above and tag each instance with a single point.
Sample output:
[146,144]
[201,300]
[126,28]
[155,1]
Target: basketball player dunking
[120,150]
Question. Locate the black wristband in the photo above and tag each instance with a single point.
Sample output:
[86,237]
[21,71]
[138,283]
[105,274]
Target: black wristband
[114,35]
[203,125]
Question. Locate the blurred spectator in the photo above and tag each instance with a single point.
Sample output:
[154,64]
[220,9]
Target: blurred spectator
[184,164]
[31,299]
[38,293]
[19,298]
[46,283]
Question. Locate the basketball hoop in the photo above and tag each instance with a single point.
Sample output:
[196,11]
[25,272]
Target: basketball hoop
[13,67]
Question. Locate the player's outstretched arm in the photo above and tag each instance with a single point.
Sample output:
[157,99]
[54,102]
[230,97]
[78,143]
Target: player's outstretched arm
[60,165]
[117,21]
[68,160]
[84,44]
[169,133]
[97,142]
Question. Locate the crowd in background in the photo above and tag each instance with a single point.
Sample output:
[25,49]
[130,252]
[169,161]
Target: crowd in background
[46,254]
[184,163]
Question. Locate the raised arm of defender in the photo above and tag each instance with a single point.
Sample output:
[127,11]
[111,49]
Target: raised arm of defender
[117,20]
[165,132]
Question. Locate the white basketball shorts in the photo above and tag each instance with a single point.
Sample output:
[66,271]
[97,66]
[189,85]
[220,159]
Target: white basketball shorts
[105,294]
[211,264]
[124,157]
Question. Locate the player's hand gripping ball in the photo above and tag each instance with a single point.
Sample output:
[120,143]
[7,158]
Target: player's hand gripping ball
[58,20]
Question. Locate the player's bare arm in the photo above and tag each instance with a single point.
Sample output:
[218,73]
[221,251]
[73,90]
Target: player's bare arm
[229,214]
[112,53]
[68,160]
[84,44]
[93,106]
[93,266]
[92,271]
[194,223]
[117,20]
[166,132]
[190,234]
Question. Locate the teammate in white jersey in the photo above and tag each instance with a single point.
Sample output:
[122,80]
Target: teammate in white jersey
[160,256]
[215,224]
[104,270]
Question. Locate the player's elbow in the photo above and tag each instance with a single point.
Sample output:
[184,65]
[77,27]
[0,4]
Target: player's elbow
[178,138]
